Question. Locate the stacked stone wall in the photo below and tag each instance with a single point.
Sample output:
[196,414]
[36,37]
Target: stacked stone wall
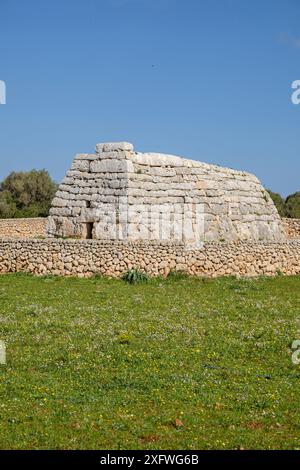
[112,258]
[23,228]
[292,228]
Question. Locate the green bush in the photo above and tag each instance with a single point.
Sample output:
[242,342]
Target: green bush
[134,276]
[293,205]
[8,207]
[177,275]
[26,194]
[289,207]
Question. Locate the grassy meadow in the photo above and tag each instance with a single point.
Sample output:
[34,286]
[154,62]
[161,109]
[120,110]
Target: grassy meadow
[178,363]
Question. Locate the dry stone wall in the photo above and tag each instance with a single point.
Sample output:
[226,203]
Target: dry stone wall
[113,258]
[23,228]
[120,194]
[292,228]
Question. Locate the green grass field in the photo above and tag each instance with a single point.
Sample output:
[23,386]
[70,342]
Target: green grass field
[169,364]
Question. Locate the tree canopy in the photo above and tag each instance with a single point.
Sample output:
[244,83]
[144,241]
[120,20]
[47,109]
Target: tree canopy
[26,194]
[289,207]
[279,203]
[293,205]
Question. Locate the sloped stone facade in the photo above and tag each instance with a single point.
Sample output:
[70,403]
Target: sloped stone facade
[120,194]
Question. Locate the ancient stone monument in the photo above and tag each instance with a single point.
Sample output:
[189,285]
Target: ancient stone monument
[120,194]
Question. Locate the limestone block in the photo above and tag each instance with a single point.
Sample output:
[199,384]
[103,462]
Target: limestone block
[69,188]
[111,166]
[58,202]
[60,211]
[116,155]
[157,171]
[114,147]
[64,195]
[157,160]
[120,183]
[81,165]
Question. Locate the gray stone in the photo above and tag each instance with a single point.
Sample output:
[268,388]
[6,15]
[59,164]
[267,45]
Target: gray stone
[112,166]
[114,147]
[132,190]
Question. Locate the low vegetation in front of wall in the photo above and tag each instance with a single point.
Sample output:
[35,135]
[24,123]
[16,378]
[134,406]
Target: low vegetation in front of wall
[175,363]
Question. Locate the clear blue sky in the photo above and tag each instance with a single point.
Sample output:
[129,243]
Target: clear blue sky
[205,79]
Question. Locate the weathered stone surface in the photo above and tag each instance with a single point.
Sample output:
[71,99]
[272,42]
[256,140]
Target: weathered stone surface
[111,166]
[114,147]
[23,228]
[292,228]
[81,165]
[114,258]
[233,204]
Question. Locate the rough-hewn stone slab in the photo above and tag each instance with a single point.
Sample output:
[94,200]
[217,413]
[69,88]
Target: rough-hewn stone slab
[111,166]
[114,147]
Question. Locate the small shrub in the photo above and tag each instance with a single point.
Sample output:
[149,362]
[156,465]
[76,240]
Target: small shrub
[96,276]
[134,276]
[177,275]
[124,338]
[31,313]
